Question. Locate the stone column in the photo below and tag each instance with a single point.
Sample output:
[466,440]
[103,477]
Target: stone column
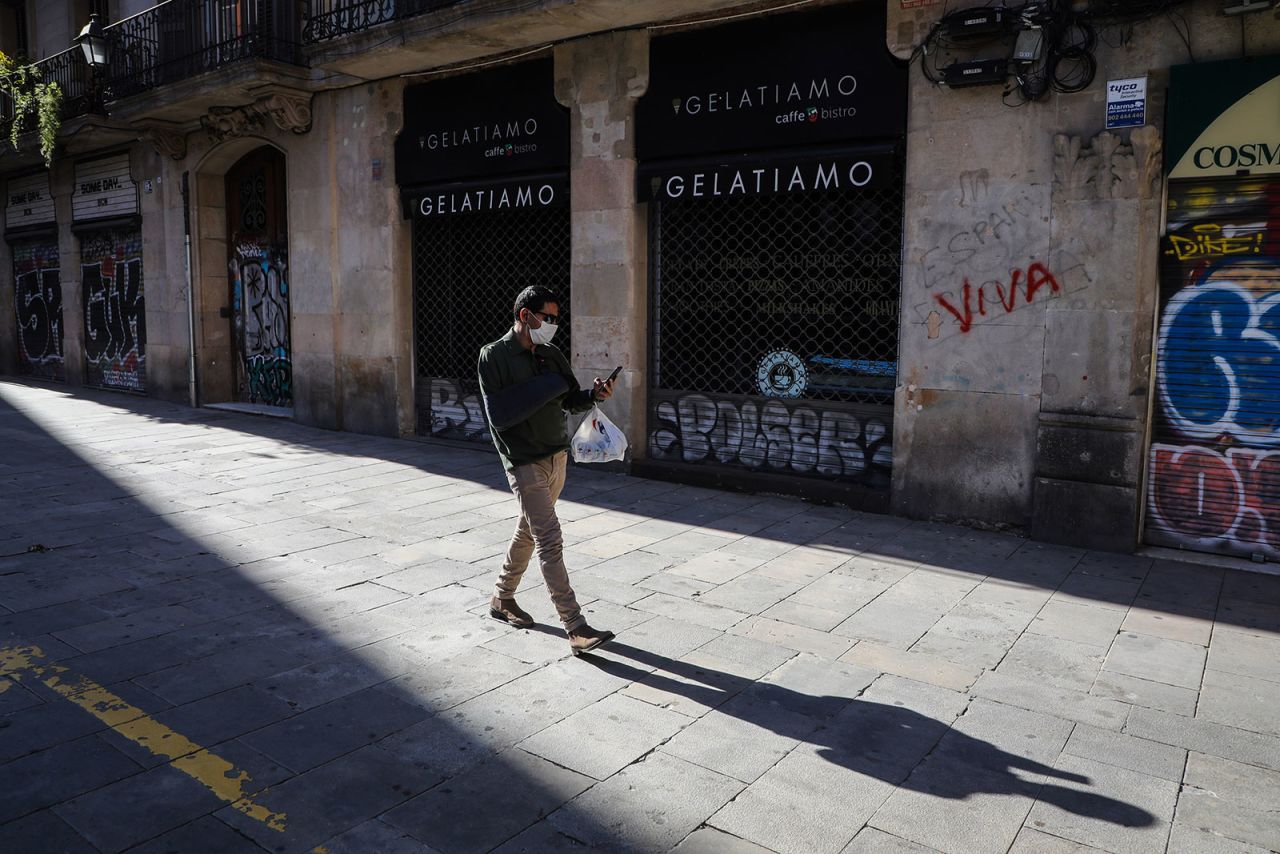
[62,184]
[1097,359]
[599,80]
[8,312]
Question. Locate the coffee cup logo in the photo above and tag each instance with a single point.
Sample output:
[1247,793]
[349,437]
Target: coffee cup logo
[781,373]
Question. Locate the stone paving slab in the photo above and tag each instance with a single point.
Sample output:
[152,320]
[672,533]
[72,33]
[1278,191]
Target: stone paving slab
[1136,754]
[44,831]
[648,806]
[708,840]
[1065,703]
[53,776]
[803,804]
[957,809]
[304,615]
[742,739]
[605,737]
[1240,701]
[1204,736]
[1245,655]
[1145,693]
[1236,801]
[488,805]
[205,834]
[1110,806]
[1158,659]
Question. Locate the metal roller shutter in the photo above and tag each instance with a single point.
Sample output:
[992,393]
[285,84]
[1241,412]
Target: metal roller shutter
[1214,476]
[467,271]
[774,334]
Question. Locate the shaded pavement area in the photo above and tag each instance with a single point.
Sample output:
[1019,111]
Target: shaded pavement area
[221,633]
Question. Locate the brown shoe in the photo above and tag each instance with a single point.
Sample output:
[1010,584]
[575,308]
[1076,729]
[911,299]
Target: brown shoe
[509,612]
[584,638]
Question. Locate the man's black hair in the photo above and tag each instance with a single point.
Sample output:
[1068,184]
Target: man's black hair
[534,298]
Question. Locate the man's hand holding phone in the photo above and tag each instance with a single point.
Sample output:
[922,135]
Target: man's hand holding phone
[603,389]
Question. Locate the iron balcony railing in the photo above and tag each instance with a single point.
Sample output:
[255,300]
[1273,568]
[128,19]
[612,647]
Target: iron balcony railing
[183,38]
[179,39]
[170,42]
[328,19]
[69,70]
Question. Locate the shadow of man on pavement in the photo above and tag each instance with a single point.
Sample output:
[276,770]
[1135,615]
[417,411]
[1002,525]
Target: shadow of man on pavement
[889,742]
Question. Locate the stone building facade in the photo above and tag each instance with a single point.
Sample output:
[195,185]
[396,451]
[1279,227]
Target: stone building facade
[821,271]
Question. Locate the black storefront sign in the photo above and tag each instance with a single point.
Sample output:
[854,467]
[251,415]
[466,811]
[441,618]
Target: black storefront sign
[483,169]
[711,178]
[804,79]
[496,123]
[521,193]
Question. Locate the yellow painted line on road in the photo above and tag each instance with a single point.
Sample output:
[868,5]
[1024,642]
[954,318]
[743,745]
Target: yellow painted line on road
[210,770]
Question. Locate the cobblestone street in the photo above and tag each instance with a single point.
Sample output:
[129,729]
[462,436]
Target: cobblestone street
[222,633]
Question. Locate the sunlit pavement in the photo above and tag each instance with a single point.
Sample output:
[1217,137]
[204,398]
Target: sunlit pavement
[227,633]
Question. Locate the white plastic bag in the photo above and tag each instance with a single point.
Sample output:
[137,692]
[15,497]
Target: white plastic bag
[598,440]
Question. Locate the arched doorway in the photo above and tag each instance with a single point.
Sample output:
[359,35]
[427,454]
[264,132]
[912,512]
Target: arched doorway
[258,280]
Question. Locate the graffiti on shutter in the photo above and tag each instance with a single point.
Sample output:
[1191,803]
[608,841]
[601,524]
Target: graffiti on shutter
[1214,482]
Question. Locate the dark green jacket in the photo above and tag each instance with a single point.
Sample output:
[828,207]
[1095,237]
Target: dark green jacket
[526,394]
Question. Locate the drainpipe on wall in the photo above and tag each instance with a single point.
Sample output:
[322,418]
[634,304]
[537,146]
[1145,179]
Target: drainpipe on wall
[191,304]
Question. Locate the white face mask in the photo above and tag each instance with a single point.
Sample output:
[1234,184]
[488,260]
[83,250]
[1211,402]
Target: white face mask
[544,333]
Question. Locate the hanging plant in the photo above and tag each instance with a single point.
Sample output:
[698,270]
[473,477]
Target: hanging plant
[30,96]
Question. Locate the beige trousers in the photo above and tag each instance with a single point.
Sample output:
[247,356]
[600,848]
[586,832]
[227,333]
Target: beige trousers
[536,486]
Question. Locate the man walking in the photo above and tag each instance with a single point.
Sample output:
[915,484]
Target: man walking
[527,387]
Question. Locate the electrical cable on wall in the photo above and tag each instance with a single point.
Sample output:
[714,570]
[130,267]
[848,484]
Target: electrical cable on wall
[1034,48]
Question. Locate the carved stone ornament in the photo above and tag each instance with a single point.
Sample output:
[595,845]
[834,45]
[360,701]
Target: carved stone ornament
[1109,168]
[227,122]
[290,111]
[168,142]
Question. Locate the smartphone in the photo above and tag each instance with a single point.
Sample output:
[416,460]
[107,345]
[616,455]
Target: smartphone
[613,376]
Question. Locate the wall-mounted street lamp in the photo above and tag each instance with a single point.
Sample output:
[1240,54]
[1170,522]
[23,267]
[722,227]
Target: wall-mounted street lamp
[97,55]
[93,41]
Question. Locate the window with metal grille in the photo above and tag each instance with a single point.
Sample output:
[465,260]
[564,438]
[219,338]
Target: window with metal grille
[775,331]
[467,271]
[817,275]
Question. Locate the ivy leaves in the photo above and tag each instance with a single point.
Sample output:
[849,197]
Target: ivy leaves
[31,97]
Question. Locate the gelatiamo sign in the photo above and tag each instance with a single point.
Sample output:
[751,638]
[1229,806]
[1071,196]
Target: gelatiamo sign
[1224,118]
[544,191]
[797,79]
[747,175]
[486,126]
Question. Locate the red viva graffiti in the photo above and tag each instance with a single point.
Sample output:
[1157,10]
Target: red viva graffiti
[1037,277]
[1209,498]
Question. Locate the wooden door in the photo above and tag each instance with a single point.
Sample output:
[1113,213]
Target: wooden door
[257,245]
